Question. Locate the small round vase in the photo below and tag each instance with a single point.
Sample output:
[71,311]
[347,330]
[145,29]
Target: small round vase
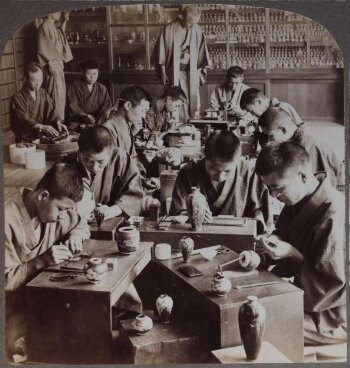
[252,320]
[221,285]
[186,245]
[128,239]
[142,324]
[249,260]
[95,270]
[164,306]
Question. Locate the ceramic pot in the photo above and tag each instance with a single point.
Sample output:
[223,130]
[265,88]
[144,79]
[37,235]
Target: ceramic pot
[252,320]
[249,260]
[186,246]
[95,270]
[142,324]
[164,306]
[221,285]
[196,207]
[128,239]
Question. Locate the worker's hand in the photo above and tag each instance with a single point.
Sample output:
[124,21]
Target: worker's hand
[107,211]
[74,243]
[62,127]
[136,126]
[55,255]
[152,183]
[49,130]
[208,216]
[88,119]
[164,79]
[66,16]
[51,69]
[277,249]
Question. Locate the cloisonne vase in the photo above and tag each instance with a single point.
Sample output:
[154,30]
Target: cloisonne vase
[196,207]
[164,306]
[221,285]
[95,270]
[142,324]
[252,320]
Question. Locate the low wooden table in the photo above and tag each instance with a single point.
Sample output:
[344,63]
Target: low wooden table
[237,238]
[217,317]
[71,320]
[107,229]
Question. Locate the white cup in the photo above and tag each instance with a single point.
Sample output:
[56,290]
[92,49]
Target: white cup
[162,251]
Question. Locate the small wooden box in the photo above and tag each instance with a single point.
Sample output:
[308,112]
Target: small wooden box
[107,230]
[165,343]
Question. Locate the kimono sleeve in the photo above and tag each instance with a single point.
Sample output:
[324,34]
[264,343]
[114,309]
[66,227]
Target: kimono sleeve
[215,100]
[159,51]
[130,199]
[46,49]
[323,274]
[74,101]
[20,111]
[15,269]
[105,105]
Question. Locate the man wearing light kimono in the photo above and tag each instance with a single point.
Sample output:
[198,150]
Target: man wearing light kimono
[309,240]
[227,180]
[181,55]
[41,229]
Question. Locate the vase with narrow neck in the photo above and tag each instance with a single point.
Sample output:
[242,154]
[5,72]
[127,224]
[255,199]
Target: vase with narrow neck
[252,320]
[196,207]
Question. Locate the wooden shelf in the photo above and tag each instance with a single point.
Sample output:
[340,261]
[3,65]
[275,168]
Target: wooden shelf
[283,44]
[87,45]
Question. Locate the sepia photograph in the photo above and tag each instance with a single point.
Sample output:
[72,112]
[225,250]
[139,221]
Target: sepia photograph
[174,184]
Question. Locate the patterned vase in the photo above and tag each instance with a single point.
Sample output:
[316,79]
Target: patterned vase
[128,239]
[249,260]
[196,207]
[142,324]
[95,270]
[221,285]
[252,320]
[164,306]
[186,246]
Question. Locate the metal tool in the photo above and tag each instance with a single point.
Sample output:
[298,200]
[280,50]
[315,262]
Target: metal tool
[257,284]
[227,263]
[62,277]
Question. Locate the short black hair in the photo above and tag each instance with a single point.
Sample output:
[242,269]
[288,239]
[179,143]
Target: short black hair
[31,68]
[176,93]
[281,157]
[90,64]
[94,139]
[62,181]
[234,72]
[134,94]
[248,97]
[222,145]
[271,113]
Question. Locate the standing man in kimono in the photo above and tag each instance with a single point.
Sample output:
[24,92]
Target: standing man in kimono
[256,103]
[228,95]
[309,241]
[41,229]
[226,179]
[53,52]
[279,127]
[111,178]
[32,110]
[181,55]
[88,100]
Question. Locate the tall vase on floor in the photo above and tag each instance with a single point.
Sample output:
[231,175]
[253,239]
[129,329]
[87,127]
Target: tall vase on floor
[196,207]
[252,320]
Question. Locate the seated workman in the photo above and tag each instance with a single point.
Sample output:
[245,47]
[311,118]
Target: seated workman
[111,175]
[255,102]
[88,100]
[226,179]
[41,229]
[228,95]
[309,240]
[32,109]
[279,127]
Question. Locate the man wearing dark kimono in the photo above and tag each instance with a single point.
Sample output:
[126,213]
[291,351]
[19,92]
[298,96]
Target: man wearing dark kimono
[41,229]
[279,127]
[53,52]
[181,55]
[88,101]
[111,177]
[226,179]
[32,110]
[309,241]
